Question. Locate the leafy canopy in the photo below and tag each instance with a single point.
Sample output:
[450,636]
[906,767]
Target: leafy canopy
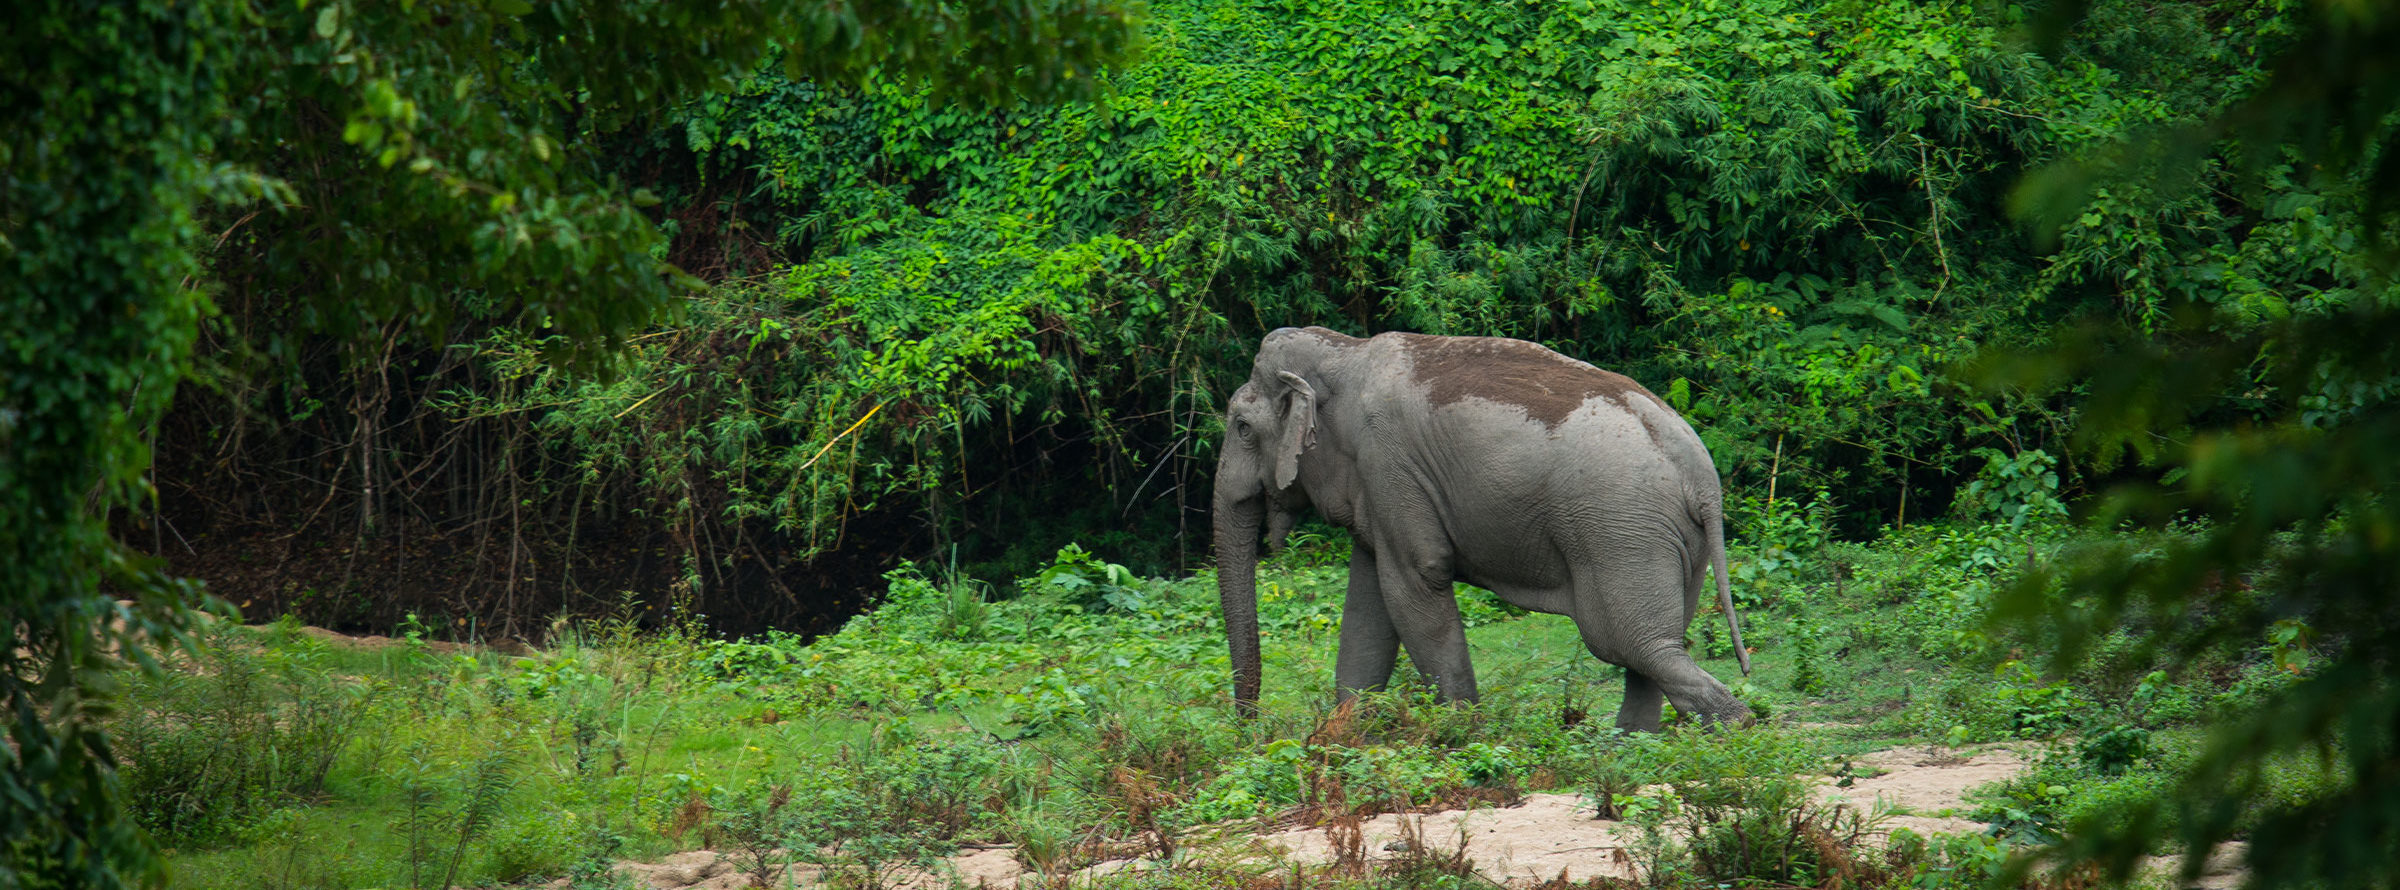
[1787,218]
[363,165]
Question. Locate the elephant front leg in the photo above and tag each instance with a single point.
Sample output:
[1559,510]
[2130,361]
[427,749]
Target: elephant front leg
[1370,645]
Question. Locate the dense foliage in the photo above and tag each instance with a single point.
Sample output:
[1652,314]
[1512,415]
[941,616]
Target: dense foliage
[95,216]
[1790,220]
[349,170]
[2288,498]
[444,336]
[2292,542]
[1751,216]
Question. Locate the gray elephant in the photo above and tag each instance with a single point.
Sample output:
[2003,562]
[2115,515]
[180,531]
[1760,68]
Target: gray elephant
[1559,486]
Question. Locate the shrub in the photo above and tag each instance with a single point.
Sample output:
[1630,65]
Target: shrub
[1772,830]
[529,845]
[1249,786]
[2019,490]
[238,733]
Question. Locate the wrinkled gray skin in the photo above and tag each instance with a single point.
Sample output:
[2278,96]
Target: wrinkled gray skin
[1559,486]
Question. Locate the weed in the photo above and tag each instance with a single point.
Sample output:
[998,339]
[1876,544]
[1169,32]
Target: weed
[1410,713]
[964,610]
[1660,857]
[1345,835]
[596,869]
[1772,830]
[939,785]
[1249,786]
[2018,490]
[875,860]
[1173,746]
[1488,765]
[1419,862]
[2013,702]
[1314,545]
[1614,771]
[755,826]
[2025,809]
[827,819]
[1045,844]
[1139,800]
[530,844]
[1946,861]
[1089,580]
[286,853]
[2112,751]
[1805,647]
[238,733]
[453,812]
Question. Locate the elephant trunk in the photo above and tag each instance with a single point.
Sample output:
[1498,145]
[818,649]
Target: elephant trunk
[1237,527]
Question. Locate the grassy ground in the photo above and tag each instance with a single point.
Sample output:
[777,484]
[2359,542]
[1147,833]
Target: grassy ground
[1085,714]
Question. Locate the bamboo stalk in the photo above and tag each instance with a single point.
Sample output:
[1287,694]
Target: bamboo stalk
[1773,471]
[645,400]
[812,459]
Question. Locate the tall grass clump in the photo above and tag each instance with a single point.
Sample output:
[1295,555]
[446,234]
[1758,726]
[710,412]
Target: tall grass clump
[232,732]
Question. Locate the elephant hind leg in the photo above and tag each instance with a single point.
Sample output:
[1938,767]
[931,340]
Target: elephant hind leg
[1694,691]
[1635,617]
[1642,707]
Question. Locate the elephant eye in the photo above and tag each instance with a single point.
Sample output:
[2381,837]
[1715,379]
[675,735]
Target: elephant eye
[1241,428]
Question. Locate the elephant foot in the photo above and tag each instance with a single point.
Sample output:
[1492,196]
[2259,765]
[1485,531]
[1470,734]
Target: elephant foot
[1650,719]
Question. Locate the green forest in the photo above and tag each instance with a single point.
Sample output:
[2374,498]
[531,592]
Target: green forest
[498,443]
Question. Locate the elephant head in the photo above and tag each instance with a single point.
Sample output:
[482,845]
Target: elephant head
[1270,424]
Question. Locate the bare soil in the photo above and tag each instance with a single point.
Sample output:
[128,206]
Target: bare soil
[1540,838]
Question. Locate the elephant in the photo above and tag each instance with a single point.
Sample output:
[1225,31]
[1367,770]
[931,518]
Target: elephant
[1561,487]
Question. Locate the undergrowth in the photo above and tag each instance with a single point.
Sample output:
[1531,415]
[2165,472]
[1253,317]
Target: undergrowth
[1080,715]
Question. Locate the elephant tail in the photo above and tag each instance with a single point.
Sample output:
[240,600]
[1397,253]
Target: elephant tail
[1723,569]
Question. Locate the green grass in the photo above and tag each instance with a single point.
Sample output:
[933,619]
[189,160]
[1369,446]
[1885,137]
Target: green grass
[1092,711]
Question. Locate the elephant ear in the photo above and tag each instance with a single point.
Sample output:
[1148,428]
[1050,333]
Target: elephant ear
[1299,428]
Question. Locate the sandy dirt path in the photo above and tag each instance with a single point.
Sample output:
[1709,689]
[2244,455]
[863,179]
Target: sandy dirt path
[1540,838]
